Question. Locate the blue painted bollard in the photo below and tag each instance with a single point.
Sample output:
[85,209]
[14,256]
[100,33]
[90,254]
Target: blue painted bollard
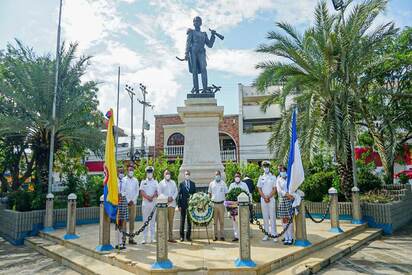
[162,260]
[104,230]
[300,222]
[334,211]
[48,217]
[71,218]
[356,209]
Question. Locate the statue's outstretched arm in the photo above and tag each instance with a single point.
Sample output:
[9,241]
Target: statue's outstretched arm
[211,41]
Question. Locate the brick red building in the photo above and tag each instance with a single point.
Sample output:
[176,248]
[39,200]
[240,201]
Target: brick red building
[169,136]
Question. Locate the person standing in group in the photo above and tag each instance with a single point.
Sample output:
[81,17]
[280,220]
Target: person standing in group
[217,192]
[123,213]
[186,189]
[131,186]
[285,204]
[148,190]
[267,190]
[237,184]
[167,187]
[251,187]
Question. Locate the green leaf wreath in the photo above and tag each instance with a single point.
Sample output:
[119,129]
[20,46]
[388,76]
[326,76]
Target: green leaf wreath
[200,209]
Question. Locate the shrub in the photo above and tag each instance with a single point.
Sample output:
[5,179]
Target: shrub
[367,180]
[20,200]
[376,196]
[316,185]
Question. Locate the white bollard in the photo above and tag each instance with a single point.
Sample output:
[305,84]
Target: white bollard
[104,229]
[356,209]
[300,222]
[162,261]
[48,217]
[71,218]
[334,211]
[244,259]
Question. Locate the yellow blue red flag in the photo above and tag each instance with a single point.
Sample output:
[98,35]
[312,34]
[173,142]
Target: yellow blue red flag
[110,171]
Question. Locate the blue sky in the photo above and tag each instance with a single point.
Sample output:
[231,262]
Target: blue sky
[143,38]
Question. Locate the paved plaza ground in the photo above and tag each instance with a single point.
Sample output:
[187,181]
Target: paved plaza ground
[24,260]
[387,255]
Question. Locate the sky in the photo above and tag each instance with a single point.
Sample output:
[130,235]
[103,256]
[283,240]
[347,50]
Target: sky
[143,38]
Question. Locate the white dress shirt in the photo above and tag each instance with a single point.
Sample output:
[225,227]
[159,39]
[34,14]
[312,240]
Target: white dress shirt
[150,188]
[266,182]
[241,185]
[218,191]
[131,189]
[281,186]
[168,189]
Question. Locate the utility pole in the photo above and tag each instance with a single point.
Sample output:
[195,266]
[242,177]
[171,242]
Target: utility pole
[56,84]
[129,90]
[144,103]
[117,110]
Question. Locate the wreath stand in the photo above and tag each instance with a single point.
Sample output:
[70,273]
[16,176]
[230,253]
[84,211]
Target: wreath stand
[199,226]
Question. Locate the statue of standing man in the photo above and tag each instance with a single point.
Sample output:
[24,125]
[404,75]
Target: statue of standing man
[195,53]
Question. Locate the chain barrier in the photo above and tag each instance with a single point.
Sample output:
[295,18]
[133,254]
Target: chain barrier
[267,233]
[140,230]
[323,216]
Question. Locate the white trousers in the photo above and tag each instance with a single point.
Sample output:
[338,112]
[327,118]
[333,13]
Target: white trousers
[147,208]
[235,226]
[268,214]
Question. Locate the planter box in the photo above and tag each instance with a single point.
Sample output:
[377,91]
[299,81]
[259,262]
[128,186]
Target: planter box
[15,225]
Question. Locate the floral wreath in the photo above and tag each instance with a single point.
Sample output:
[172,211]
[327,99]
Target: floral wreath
[231,201]
[200,209]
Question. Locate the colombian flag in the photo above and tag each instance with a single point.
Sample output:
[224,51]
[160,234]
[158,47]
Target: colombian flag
[110,171]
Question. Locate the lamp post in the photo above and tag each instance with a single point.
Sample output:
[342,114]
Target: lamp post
[144,103]
[56,83]
[129,90]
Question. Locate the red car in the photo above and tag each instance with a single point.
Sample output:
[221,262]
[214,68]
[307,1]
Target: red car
[406,172]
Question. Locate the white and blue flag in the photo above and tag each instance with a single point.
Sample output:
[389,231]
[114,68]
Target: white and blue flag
[296,174]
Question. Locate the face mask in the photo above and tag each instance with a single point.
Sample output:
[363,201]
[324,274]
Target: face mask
[217,178]
[130,174]
[121,175]
[167,177]
[187,177]
[237,179]
[149,175]
[266,169]
[283,174]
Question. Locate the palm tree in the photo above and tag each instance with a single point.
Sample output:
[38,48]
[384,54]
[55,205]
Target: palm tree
[320,74]
[26,86]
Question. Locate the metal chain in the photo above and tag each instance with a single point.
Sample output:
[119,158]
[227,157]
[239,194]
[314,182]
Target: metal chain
[141,229]
[323,216]
[267,233]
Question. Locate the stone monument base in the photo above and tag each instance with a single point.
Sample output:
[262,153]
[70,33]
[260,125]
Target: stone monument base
[201,155]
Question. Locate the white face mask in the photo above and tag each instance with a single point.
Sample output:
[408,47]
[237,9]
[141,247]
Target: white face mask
[187,177]
[149,175]
[130,174]
[121,175]
[237,179]
[217,178]
[283,174]
[266,169]
[167,177]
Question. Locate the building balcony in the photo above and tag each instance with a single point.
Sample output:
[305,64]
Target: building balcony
[174,151]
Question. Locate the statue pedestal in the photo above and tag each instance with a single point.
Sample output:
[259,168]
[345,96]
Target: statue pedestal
[201,155]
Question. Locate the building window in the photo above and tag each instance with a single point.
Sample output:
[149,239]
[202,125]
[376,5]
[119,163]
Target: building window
[258,125]
[176,139]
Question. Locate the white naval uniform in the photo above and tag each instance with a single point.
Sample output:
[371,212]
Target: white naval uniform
[235,223]
[267,182]
[150,187]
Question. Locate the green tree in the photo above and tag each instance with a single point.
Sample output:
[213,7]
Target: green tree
[27,85]
[320,74]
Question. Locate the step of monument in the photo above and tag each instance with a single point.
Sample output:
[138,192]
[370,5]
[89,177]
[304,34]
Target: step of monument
[72,258]
[314,262]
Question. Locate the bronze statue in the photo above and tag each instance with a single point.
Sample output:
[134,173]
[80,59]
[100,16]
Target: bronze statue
[195,54]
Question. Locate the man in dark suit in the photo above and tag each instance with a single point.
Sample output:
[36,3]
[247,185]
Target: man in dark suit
[186,188]
[251,187]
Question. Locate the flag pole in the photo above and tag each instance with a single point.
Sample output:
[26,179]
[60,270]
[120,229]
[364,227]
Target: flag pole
[117,111]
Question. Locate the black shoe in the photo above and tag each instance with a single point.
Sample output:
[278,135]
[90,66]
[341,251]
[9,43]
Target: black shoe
[182,239]
[189,239]
[222,239]
[215,239]
[132,242]
[120,247]
[235,240]
[290,242]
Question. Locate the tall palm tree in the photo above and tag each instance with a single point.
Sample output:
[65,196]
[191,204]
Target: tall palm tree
[26,86]
[320,73]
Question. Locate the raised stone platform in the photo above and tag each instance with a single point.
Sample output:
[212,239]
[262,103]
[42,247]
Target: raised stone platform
[201,257]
